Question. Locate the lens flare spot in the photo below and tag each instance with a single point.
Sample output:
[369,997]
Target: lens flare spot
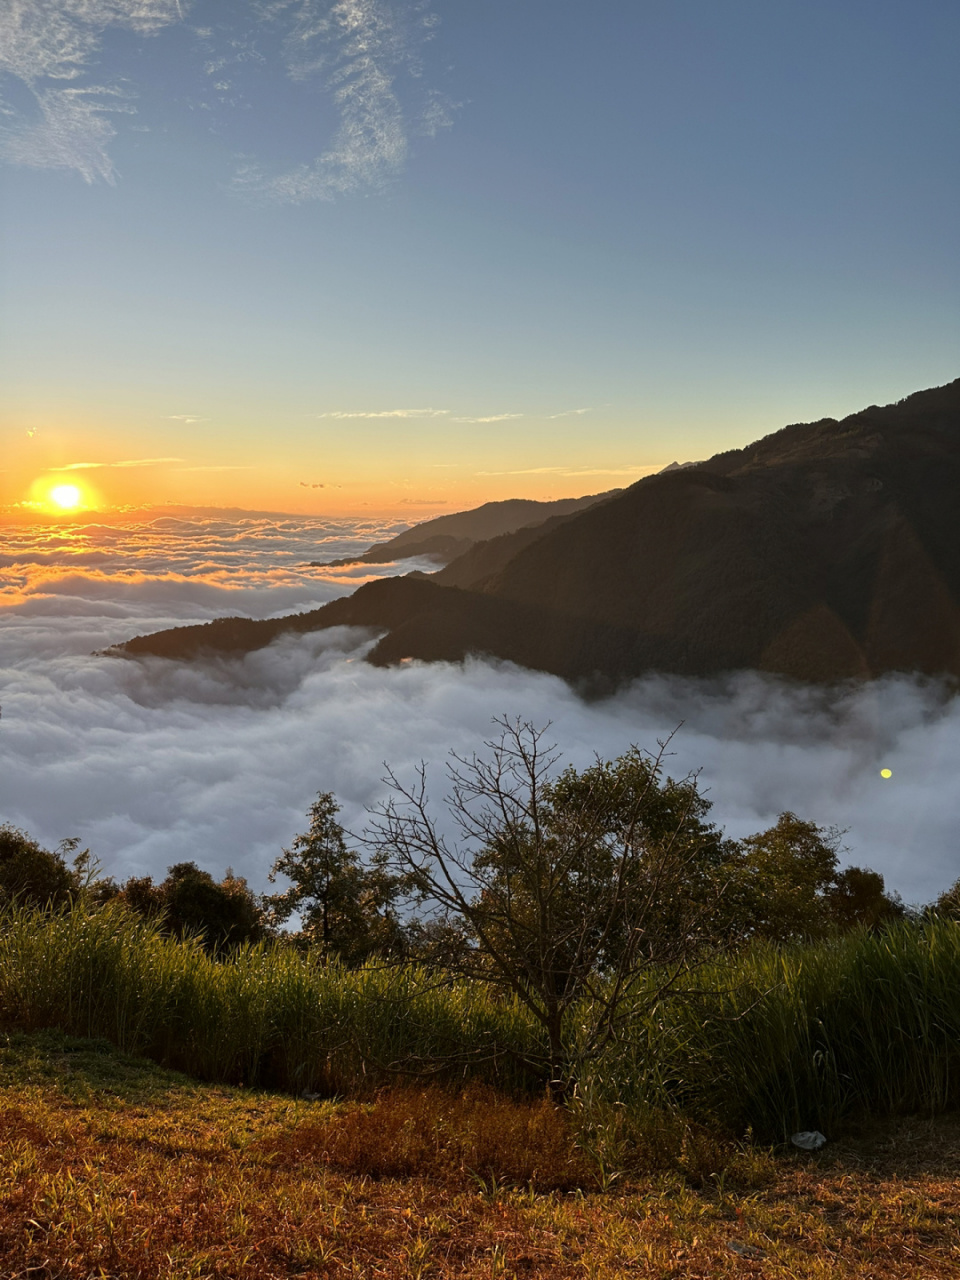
[886,773]
[65,496]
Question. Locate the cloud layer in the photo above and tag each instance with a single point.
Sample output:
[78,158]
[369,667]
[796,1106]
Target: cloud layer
[172,568]
[153,763]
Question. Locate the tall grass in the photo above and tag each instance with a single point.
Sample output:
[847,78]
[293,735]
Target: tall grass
[774,1040]
[266,1015]
[783,1039]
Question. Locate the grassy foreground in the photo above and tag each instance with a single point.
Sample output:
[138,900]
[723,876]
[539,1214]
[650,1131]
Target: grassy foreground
[766,1040]
[111,1166]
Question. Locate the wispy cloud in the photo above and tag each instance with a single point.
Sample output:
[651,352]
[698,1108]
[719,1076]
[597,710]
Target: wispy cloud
[218,468]
[612,471]
[366,54]
[187,418]
[491,417]
[51,47]
[386,413]
[448,413]
[526,471]
[424,502]
[572,471]
[420,413]
[360,49]
[127,462]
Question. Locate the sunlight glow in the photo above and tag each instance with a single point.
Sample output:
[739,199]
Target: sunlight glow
[66,496]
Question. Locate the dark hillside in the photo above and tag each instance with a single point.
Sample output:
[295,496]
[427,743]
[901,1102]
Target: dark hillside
[383,604]
[824,551]
[449,536]
[482,560]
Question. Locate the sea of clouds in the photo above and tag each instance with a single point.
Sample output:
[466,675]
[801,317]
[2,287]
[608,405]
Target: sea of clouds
[157,762]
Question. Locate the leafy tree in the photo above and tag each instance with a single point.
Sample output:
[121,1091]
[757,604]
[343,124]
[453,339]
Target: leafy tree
[224,914]
[779,885]
[568,888]
[858,897]
[948,904]
[345,908]
[785,885]
[37,876]
[621,803]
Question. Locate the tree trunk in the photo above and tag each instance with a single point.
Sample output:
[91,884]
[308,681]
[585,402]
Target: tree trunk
[558,1076]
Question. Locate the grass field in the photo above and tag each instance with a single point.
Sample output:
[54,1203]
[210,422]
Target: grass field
[764,1040]
[114,1167]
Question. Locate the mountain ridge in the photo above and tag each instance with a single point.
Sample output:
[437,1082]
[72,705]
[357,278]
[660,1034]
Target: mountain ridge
[824,551]
[445,537]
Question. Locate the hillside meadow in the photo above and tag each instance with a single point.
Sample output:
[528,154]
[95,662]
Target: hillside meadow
[380,1121]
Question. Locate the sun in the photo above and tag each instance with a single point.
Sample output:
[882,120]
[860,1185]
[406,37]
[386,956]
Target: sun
[65,496]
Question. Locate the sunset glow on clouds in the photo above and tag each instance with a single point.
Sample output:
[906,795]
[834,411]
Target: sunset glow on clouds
[196,566]
[155,762]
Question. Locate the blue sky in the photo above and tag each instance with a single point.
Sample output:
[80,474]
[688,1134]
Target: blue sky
[426,254]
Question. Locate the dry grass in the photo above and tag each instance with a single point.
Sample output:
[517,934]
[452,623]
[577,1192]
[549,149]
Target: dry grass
[111,1167]
[477,1138]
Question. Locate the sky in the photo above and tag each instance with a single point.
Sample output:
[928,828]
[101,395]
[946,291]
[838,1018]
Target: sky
[391,258]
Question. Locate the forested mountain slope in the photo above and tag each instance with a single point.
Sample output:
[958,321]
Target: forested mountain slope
[824,551]
[445,537]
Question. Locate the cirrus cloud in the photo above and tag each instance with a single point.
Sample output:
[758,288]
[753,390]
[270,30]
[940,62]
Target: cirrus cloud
[492,417]
[360,50]
[74,84]
[52,47]
[126,462]
[384,413]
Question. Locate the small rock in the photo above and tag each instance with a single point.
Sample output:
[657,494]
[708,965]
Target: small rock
[809,1140]
[743,1250]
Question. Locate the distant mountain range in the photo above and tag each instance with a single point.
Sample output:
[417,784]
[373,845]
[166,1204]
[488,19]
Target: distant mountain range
[825,551]
[446,537]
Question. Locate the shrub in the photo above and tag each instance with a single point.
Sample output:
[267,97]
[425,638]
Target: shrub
[222,914]
[32,874]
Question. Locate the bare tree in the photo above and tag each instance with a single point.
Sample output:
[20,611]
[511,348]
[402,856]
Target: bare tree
[568,888]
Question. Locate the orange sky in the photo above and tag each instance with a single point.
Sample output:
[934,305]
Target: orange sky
[401,464]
